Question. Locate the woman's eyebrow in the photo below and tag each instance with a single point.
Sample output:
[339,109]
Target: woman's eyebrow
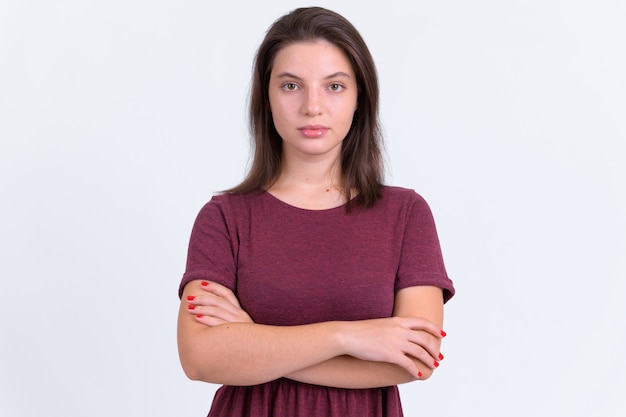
[337,75]
[288,75]
[295,77]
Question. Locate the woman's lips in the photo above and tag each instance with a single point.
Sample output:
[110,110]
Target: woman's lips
[313,131]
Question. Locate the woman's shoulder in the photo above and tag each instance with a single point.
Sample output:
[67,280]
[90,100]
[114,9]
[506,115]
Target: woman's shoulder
[403,200]
[228,203]
[235,197]
[401,195]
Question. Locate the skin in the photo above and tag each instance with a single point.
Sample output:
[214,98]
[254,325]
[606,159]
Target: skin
[311,84]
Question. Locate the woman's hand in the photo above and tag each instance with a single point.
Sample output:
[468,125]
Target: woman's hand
[216,305]
[395,340]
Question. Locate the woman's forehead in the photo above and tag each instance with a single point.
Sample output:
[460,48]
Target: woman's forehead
[319,58]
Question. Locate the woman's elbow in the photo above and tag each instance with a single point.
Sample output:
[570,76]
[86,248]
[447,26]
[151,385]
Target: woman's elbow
[193,374]
[191,369]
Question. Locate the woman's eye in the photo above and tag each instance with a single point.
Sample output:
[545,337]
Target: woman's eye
[290,87]
[335,87]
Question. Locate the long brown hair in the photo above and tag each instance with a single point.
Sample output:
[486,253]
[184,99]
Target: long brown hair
[361,157]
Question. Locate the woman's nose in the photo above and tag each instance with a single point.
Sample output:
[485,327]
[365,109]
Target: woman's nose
[312,105]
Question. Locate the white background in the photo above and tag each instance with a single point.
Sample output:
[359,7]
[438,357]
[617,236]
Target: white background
[119,119]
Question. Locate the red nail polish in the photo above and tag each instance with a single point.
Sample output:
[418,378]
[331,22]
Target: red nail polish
[199,316]
[440,357]
[443,334]
[419,374]
[190,297]
[204,284]
[436,364]
[191,306]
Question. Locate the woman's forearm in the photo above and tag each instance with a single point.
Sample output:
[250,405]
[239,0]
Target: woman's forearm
[218,345]
[349,372]
[248,353]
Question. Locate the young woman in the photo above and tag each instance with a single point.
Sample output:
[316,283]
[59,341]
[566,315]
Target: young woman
[311,289]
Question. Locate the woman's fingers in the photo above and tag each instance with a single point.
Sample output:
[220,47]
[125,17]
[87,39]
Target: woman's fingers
[216,305]
[223,313]
[425,347]
[410,366]
[213,319]
[403,341]
[420,323]
[425,351]
[428,336]
[220,291]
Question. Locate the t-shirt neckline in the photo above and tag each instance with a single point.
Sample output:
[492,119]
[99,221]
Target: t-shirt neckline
[291,206]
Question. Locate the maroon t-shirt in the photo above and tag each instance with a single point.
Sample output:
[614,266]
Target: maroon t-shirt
[291,266]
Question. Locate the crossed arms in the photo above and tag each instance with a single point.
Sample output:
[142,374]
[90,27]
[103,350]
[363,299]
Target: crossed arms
[219,343]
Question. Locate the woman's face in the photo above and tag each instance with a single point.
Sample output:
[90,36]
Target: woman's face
[313,97]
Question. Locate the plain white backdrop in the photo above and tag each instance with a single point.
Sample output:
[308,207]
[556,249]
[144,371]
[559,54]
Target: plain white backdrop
[119,119]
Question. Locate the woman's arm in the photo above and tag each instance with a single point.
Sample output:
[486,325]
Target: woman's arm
[218,343]
[350,372]
[242,353]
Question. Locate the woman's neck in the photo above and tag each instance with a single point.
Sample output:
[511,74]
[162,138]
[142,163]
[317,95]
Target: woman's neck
[314,185]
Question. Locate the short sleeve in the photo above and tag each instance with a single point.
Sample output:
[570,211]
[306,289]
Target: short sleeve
[211,254]
[421,261]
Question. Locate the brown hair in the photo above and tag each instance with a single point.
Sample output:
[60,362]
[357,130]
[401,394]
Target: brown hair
[361,157]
